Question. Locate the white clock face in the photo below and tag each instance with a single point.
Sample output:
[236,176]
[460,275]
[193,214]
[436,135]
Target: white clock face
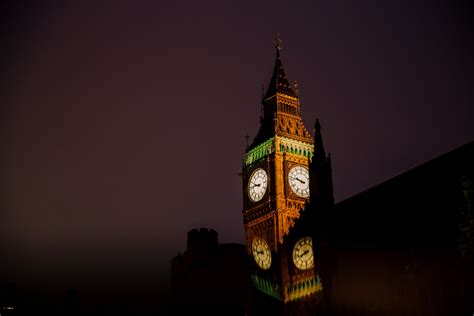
[261,253]
[303,254]
[257,185]
[298,178]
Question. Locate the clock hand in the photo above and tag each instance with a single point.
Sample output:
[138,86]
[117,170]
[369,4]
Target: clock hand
[304,253]
[303,182]
[300,180]
[255,185]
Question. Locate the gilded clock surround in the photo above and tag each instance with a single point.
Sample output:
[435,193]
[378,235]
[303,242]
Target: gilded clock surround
[303,256]
[261,253]
[298,180]
[257,185]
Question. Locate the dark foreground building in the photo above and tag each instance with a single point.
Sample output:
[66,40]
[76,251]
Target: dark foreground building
[209,273]
[404,247]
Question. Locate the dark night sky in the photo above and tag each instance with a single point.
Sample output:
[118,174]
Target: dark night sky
[123,122]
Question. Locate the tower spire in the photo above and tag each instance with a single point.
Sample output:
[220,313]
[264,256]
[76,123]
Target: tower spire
[320,172]
[318,141]
[281,109]
[279,82]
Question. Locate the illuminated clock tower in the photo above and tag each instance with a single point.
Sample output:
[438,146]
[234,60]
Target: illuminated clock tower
[276,187]
[275,168]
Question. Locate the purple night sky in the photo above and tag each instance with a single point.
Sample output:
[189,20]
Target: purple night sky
[123,123]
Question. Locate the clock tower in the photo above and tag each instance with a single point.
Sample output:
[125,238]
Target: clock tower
[275,167]
[276,188]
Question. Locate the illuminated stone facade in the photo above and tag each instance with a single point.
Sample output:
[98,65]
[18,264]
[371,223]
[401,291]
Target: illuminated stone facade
[285,150]
[282,142]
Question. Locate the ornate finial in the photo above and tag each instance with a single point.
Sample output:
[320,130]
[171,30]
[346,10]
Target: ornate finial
[277,41]
[247,140]
[295,86]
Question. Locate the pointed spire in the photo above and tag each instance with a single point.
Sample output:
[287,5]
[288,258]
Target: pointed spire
[318,140]
[321,187]
[277,45]
[279,82]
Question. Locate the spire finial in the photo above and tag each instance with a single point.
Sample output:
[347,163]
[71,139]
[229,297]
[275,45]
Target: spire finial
[318,139]
[317,126]
[295,86]
[277,41]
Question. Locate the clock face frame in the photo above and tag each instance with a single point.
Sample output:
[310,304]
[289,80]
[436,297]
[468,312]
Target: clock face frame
[257,185]
[261,253]
[303,257]
[298,179]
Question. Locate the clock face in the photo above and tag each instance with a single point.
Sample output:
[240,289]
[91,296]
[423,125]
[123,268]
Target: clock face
[261,253]
[257,185]
[298,178]
[303,254]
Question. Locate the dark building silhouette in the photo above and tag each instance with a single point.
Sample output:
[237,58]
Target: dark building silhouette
[403,247]
[210,273]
